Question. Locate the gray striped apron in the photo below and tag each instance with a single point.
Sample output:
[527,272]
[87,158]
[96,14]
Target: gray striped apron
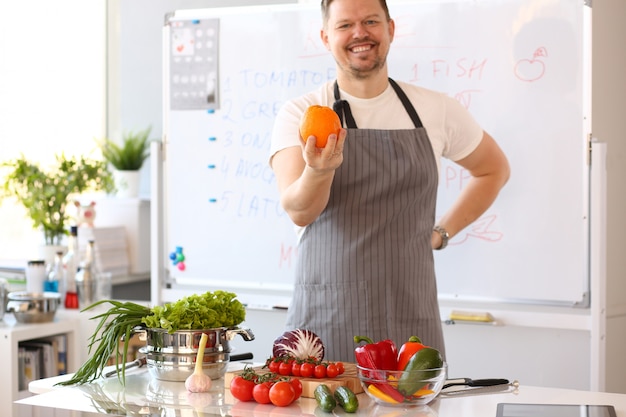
[365,265]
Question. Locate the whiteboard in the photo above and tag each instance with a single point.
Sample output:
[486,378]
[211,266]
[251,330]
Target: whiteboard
[522,75]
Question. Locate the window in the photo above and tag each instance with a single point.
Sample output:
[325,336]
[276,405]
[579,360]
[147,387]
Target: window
[52,94]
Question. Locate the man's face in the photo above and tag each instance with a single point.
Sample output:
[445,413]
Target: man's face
[358,35]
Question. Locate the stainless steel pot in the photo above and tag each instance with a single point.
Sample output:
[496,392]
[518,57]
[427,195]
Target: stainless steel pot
[187,341]
[32,307]
[172,356]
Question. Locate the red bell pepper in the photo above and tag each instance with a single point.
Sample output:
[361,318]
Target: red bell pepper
[382,356]
[407,350]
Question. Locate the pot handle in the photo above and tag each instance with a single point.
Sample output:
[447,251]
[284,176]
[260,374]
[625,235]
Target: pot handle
[246,334]
[140,330]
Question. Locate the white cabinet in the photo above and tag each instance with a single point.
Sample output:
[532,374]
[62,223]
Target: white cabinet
[11,334]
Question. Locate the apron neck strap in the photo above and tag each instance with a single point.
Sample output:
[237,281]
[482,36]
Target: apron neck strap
[342,107]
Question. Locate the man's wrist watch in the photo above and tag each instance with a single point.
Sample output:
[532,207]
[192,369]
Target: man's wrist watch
[444,236]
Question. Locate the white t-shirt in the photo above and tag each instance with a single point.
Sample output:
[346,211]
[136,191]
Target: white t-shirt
[452,130]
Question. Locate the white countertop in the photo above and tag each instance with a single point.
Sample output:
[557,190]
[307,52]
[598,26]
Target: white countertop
[145,395]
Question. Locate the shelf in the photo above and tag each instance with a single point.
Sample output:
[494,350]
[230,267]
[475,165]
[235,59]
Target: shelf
[23,331]
[13,333]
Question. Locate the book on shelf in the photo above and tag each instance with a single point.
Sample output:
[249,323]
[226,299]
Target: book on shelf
[59,349]
[46,362]
[41,358]
[29,363]
[61,345]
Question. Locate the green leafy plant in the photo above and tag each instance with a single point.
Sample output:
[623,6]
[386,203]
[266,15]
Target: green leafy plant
[130,154]
[194,312]
[45,195]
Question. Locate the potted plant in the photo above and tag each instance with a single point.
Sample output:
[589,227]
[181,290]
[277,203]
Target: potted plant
[127,158]
[46,194]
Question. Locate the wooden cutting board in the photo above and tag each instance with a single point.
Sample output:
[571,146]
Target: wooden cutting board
[348,379]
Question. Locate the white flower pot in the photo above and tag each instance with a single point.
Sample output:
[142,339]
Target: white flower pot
[48,252]
[127,183]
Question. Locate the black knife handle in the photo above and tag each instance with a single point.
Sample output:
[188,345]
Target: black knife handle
[489,382]
[241,357]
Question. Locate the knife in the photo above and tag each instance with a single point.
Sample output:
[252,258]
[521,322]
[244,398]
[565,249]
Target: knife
[489,382]
[139,362]
[241,357]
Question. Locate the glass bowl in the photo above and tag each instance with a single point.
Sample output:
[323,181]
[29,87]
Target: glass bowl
[402,388]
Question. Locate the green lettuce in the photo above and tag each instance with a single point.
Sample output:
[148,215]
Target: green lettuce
[198,311]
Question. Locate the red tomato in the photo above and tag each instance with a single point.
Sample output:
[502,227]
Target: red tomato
[340,367]
[274,365]
[284,368]
[242,388]
[307,370]
[261,392]
[320,371]
[295,369]
[332,371]
[282,394]
[297,387]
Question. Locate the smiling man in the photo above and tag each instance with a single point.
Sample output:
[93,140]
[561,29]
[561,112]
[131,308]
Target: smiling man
[365,203]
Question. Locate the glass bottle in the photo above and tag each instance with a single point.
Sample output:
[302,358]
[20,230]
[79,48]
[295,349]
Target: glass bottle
[54,279]
[86,284]
[70,266]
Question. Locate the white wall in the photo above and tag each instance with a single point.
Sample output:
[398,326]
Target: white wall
[609,125]
[52,96]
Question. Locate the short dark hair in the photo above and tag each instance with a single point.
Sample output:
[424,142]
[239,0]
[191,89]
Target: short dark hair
[326,4]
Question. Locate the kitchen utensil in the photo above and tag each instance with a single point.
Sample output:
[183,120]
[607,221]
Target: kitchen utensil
[241,357]
[171,356]
[489,382]
[186,341]
[33,307]
[139,362]
[35,275]
[383,387]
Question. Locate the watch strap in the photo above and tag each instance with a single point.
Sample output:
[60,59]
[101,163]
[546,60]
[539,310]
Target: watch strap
[444,236]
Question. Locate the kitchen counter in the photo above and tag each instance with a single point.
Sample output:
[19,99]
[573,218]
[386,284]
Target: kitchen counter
[144,395]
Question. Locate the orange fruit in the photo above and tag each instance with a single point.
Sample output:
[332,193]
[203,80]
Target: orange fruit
[319,121]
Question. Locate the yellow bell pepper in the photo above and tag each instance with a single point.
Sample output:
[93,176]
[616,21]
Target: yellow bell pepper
[422,392]
[381,395]
[393,380]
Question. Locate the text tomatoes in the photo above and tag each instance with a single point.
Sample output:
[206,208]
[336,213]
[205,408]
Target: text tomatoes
[282,394]
[261,392]
[340,367]
[307,370]
[332,371]
[241,388]
[274,366]
[284,368]
[320,371]
[297,387]
[295,368]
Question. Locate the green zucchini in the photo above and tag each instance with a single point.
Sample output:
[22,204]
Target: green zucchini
[325,399]
[346,399]
[417,372]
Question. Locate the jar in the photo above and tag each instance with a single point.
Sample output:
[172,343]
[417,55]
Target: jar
[35,276]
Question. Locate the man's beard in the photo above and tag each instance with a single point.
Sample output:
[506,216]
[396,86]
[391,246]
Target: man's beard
[361,74]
